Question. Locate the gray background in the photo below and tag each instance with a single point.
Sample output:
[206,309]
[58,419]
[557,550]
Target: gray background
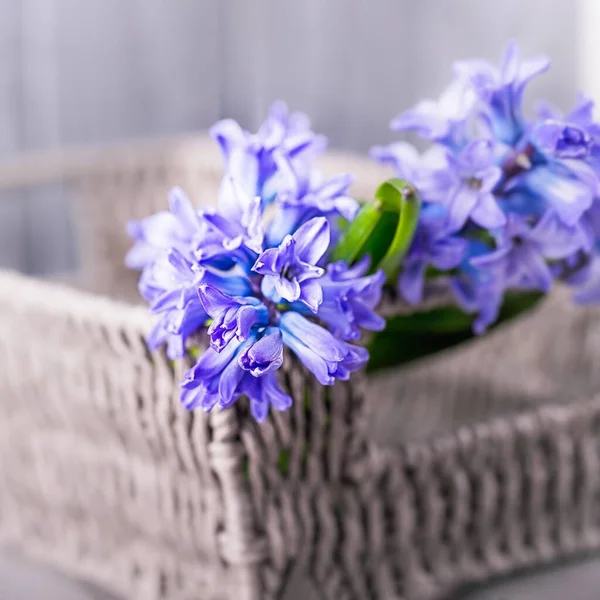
[93,71]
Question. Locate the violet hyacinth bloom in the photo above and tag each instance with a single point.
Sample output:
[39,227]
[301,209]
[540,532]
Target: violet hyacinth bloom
[265,355]
[290,270]
[443,120]
[349,299]
[464,186]
[521,259]
[402,156]
[164,230]
[326,356]
[561,139]
[235,225]
[231,316]
[501,89]
[574,135]
[520,195]
[170,287]
[568,187]
[215,272]
[269,160]
[311,198]
[479,291]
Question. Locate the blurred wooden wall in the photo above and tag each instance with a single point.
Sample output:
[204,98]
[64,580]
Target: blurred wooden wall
[90,71]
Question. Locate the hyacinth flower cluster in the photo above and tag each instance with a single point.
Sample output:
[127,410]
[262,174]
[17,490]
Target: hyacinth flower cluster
[509,203]
[253,275]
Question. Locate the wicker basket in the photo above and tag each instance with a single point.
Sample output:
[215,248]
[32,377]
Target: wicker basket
[471,464]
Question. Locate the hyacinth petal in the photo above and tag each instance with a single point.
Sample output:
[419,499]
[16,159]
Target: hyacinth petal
[297,143]
[311,294]
[259,408]
[401,155]
[198,397]
[307,272]
[157,336]
[367,318]
[288,289]
[315,336]
[462,205]
[547,134]
[170,298]
[557,240]
[337,185]
[228,134]
[229,381]
[490,177]
[346,207]
[234,200]
[183,209]
[425,119]
[213,300]
[158,230]
[509,64]
[410,284]
[531,68]
[248,317]
[569,197]
[356,358]
[139,255]
[310,359]
[267,262]
[211,363]
[273,260]
[285,181]
[448,253]
[477,155]
[492,260]
[312,240]
[271,390]
[487,213]
[583,111]
[538,275]
[264,355]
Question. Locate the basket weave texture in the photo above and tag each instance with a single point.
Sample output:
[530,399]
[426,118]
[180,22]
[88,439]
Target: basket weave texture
[467,465]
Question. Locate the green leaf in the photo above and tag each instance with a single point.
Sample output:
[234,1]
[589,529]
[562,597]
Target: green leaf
[383,228]
[350,248]
[410,337]
[402,198]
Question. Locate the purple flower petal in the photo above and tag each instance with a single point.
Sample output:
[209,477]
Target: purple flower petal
[487,213]
[288,289]
[229,381]
[228,134]
[410,284]
[311,360]
[315,336]
[211,363]
[278,399]
[462,205]
[477,155]
[311,294]
[264,355]
[312,240]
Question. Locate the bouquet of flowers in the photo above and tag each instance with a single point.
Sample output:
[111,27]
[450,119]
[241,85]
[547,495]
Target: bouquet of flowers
[497,210]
